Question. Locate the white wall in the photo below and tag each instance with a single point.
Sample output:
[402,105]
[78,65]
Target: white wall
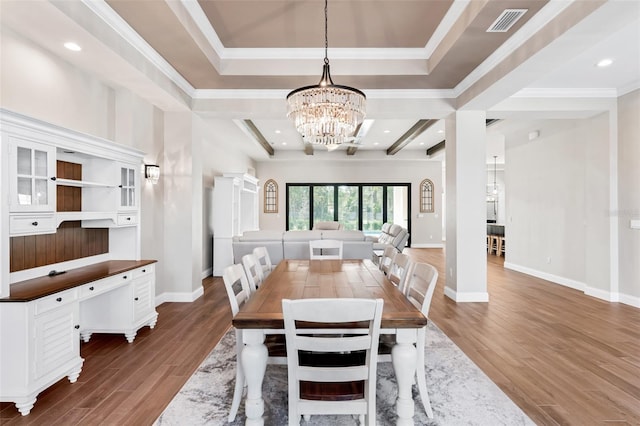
[557,202]
[629,196]
[39,84]
[425,230]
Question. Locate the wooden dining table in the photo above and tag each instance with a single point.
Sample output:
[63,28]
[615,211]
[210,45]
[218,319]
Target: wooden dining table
[305,279]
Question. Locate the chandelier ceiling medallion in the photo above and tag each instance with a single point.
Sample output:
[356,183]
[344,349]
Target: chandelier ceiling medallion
[326,113]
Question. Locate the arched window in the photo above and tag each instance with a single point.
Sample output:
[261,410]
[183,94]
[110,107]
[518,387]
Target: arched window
[426,196]
[270,196]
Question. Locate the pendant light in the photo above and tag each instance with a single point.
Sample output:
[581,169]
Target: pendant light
[326,113]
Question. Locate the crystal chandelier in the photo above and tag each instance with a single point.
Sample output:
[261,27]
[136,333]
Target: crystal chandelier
[326,113]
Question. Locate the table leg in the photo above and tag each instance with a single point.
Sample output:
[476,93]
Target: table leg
[254,363]
[404,356]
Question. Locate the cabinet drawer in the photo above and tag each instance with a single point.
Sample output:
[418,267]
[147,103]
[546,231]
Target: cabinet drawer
[31,224]
[145,270]
[127,219]
[56,300]
[104,285]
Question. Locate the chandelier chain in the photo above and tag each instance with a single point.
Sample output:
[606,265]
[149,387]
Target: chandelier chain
[326,31]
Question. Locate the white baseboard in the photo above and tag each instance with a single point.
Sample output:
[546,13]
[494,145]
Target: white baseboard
[630,300]
[179,297]
[207,272]
[567,282]
[577,285]
[466,297]
[602,294]
[428,245]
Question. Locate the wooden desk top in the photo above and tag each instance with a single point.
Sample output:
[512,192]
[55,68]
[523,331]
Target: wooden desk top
[36,288]
[306,279]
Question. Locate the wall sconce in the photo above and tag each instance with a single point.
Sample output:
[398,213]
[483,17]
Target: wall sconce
[152,173]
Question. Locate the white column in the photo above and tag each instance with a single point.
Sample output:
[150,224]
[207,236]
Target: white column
[466,254]
[181,171]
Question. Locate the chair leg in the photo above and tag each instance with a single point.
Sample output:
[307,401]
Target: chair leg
[421,376]
[237,394]
[424,395]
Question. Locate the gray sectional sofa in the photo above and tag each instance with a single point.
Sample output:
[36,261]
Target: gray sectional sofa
[295,244]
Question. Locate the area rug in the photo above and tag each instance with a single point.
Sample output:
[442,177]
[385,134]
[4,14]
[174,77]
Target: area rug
[460,393]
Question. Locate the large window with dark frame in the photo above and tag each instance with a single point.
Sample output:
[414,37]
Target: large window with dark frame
[357,206]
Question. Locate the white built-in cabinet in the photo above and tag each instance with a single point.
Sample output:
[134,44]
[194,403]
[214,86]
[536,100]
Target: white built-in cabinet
[110,186]
[235,210]
[40,335]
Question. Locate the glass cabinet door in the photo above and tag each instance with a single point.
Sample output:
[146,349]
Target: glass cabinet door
[32,167]
[127,187]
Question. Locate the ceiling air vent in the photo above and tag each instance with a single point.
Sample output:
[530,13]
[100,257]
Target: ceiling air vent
[506,20]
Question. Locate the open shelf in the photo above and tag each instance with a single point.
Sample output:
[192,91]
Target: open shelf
[82,183]
[69,216]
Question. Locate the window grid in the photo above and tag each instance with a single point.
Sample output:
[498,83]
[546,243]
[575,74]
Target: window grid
[426,196]
[270,196]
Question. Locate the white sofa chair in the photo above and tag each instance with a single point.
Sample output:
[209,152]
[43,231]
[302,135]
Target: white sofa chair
[391,234]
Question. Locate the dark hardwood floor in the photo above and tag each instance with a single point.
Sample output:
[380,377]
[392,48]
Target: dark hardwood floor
[563,357]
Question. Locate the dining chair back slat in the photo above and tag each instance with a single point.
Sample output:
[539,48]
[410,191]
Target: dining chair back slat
[386,259]
[262,254]
[399,270]
[253,269]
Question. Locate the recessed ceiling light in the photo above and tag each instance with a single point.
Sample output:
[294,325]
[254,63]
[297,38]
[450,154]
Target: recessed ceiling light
[604,62]
[440,131]
[387,131]
[278,132]
[72,46]
[284,143]
[421,143]
[375,143]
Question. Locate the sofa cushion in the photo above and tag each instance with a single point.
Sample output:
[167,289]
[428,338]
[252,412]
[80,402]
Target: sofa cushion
[260,236]
[395,229]
[302,235]
[344,235]
[328,225]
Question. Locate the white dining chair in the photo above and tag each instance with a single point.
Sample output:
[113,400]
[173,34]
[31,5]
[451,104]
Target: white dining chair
[262,255]
[253,269]
[399,270]
[387,257]
[421,284]
[325,249]
[238,292]
[311,383]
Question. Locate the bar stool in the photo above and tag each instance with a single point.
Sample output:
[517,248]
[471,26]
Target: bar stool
[494,247]
[501,244]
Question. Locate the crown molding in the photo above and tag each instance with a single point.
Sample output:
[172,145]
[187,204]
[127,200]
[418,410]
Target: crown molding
[282,94]
[450,18]
[120,26]
[566,93]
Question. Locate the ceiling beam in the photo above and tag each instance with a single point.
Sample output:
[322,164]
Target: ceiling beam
[308,149]
[353,149]
[434,149]
[258,136]
[410,135]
